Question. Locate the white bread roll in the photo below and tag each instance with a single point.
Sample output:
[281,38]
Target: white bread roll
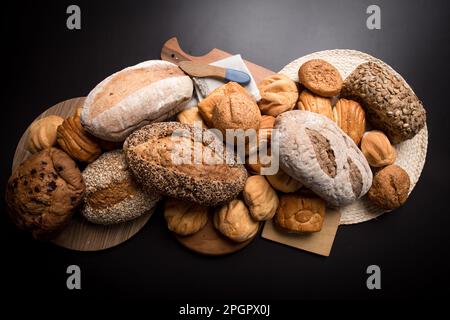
[148,92]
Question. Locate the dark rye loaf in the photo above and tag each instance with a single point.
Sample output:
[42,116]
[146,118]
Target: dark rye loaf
[316,152]
[149,152]
[390,104]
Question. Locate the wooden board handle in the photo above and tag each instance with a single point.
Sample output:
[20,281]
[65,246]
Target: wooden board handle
[172,52]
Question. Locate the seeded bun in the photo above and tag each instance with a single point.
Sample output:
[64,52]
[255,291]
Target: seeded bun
[149,152]
[112,194]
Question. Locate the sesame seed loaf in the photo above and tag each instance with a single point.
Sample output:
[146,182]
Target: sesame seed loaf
[391,105]
[112,194]
[316,152]
[209,181]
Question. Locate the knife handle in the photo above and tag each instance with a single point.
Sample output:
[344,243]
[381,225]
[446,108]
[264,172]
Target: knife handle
[237,76]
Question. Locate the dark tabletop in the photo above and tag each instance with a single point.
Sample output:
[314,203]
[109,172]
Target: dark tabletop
[47,63]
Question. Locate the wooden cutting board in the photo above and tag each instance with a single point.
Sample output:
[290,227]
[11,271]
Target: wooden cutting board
[208,240]
[81,235]
[172,52]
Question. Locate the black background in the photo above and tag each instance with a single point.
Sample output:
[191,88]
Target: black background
[47,63]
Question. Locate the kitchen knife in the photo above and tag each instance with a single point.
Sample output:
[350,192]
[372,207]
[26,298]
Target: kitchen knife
[200,70]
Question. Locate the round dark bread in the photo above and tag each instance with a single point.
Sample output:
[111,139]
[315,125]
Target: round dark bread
[148,151]
[43,192]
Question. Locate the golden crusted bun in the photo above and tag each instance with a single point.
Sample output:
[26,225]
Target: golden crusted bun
[278,94]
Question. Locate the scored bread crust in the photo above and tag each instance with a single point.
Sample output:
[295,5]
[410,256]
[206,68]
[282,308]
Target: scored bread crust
[316,152]
[154,102]
[197,185]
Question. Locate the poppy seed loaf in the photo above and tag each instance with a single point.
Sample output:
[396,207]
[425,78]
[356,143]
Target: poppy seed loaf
[151,152]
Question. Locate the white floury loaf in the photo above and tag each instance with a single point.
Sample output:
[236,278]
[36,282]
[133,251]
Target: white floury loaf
[127,100]
[316,152]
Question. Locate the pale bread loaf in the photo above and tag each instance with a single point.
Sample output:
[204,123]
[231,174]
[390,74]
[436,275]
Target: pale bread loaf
[316,152]
[148,92]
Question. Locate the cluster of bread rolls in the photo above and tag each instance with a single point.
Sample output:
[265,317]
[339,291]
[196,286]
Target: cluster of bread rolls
[114,157]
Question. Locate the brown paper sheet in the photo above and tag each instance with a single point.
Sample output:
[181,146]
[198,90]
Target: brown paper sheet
[317,242]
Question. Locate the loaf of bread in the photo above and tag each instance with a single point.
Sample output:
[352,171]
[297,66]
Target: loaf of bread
[148,92]
[308,101]
[191,116]
[377,149]
[390,187]
[278,94]
[317,153]
[43,192]
[281,181]
[112,194]
[184,218]
[391,106]
[77,142]
[233,220]
[236,111]
[350,117]
[42,133]
[298,213]
[261,199]
[320,77]
[164,156]
[206,106]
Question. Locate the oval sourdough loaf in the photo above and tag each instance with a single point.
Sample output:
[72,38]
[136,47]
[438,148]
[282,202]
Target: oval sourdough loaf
[316,152]
[148,92]
[112,194]
[162,157]
[391,106]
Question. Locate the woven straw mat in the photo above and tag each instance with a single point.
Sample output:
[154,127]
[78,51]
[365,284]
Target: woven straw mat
[411,154]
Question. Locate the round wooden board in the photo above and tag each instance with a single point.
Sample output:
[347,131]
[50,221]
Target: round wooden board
[211,242]
[81,235]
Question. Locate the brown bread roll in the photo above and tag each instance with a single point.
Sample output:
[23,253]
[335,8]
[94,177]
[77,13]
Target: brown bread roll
[320,77]
[310,102]
[43,192]
[390,187]
[350,117]
[77,142]
[278,94]
[233,220]
[297,213]
[185,218]
[42,133]
[261,199]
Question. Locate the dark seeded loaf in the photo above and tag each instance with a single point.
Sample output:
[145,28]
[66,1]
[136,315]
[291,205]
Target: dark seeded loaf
[391,106]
